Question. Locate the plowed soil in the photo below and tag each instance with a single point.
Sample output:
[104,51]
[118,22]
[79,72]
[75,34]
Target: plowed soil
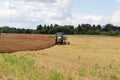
[24,42]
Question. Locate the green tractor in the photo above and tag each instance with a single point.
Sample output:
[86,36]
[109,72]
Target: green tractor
[60,38]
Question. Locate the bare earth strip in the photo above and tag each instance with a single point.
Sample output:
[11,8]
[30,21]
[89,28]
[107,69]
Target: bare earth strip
[24,42]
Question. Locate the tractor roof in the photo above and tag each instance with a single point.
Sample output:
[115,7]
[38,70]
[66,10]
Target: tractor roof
[59,33]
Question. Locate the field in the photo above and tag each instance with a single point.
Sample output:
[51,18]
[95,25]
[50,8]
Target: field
[21,42]
[86,58]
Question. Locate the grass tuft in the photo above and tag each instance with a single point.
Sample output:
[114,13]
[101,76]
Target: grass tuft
[54,75]
[113,77]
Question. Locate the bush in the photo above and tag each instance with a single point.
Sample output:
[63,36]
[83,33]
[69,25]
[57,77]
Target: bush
[113,33]
[97,32]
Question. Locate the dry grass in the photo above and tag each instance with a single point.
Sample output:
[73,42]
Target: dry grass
[87,58]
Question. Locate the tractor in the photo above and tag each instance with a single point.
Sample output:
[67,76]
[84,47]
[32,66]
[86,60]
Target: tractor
[60,38]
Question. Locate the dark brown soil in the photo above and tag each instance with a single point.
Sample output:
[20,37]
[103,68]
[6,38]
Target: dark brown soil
[24,42]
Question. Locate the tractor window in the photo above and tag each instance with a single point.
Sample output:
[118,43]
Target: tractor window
[59,34]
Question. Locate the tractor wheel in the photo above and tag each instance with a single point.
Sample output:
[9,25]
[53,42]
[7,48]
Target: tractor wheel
[68,43]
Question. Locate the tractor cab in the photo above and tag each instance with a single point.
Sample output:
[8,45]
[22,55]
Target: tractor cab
[59,38]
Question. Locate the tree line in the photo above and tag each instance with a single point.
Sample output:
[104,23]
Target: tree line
[84,29]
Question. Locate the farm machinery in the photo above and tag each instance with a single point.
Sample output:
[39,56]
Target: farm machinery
[60,38]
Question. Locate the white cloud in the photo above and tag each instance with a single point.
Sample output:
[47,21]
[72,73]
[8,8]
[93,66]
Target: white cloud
[91,19]
[33,12]
[118,0]
[116,18]
[30,13]
[96,19]
[48,1]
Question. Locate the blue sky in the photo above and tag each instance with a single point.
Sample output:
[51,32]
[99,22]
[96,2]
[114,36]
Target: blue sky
[98,7]
[30,13]
[97,11]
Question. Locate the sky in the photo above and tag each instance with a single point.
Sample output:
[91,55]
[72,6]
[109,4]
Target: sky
[30,13]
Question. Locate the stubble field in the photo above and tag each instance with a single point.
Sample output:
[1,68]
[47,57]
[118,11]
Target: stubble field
[86,58]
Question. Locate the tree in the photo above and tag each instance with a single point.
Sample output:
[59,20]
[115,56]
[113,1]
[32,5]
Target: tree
[94,27]
[39,27]
[85,28]
[108,27]
[98,27]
